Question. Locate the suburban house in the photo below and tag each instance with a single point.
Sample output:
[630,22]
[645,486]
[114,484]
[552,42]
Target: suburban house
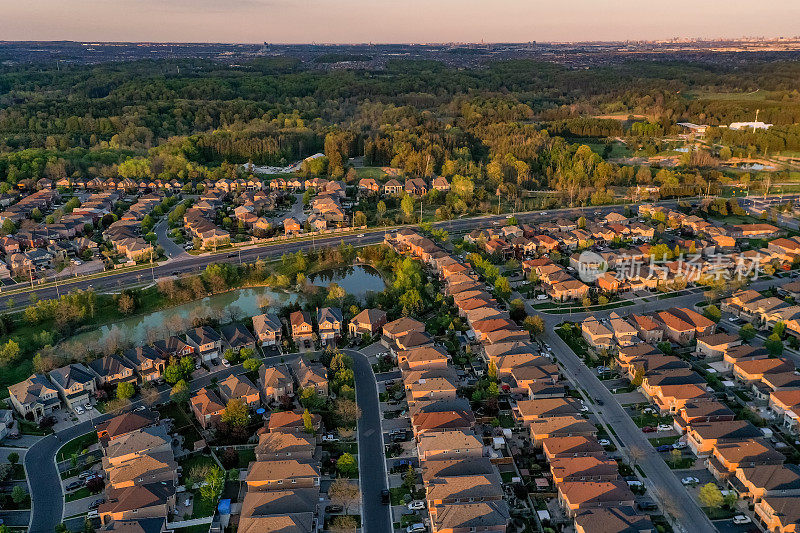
[779,514]
[112,370]
[314,376]
[302,329]
[702,438]
[206,342]
[207,407]
[757,482]
[148,362]
[285,445]
[282,474]
[155,500]
[34,398]
[575,496]
[173,347]
[606,520]
[275,382]
[239,387]
[329,322]
[292,422]
[714,346]
[75,384]
[596,334]
[368,321]
[236,336]
[268,329]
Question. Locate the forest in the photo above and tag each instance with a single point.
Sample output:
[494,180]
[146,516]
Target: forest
[510,127]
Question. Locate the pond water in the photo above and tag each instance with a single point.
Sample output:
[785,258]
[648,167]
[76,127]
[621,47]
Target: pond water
[356,280]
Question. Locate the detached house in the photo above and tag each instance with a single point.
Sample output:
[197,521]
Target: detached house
[147,361]
[368,321]
[275,382]
[75,384]
[268,329]
[207,407]
[34,398]
[206,342]
[236,336]
[302,328]
[239,387]
[329,321]
[112,370]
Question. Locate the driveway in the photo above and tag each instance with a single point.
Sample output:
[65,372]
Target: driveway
[371,463]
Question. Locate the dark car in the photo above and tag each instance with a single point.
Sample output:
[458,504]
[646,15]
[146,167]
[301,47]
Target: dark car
[648,429]
[664,448]
[599,401]
[646,505]
[75,485]
[385,497]
[97,503]
[333,508]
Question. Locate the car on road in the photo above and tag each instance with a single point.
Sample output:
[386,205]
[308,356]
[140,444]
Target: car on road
[690,480]
[334,508]
[604,442]
[664,448]
[664,427]
[360,235]
[385,498]
[419,527]
[741,519]
[599,401]
[75,485]
[416,505]
[648,429]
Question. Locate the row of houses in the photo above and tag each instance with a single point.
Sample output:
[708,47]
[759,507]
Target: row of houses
[412,186]
[140,472]
[736,452]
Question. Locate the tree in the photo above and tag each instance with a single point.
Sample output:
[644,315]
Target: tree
[503,287]
[251,364]
[779,328]
[61,528]
[348,412]
[343,524]
[492,372]
[712,312]
[345,493]
[149,394]
[180,392]
[410,478]
[308,422]
[214,482]
[125,390]
[710,496]
[638,377]
[346,465]
[126,304]
[13,458]
[407,205]
[236,413]
[9,352]
[747,332]
[534,324]
[18,494]
[676,455]
[381,209]
[774,345]
[359,219]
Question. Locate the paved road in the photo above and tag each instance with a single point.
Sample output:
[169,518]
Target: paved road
[669,491]
[192,263]
[371,463]
[173,251]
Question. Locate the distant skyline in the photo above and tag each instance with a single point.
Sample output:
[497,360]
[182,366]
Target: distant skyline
[393,21]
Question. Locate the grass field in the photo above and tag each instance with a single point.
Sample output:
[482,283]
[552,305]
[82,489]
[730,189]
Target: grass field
[76,446]
[371,172]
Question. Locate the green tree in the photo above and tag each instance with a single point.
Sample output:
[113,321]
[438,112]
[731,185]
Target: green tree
[13,458]
[534,324]
[381,209]
[180,392]
[407,205]
[251,364]
[503,287]
[747,332]
[343,524]
[774,345]
[492,372]
[9,352]
[410,478]
[712,312]
[308,422]
[638,377]
[236,413]
[214,483]
[779,328]
[18,494]
[346,465]
[710,496]
[125,390]
[359,219]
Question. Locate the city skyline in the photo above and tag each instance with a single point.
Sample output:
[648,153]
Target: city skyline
[382,21]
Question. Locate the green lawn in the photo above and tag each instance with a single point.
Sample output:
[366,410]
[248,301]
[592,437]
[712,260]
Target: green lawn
[76,446]
[81,493]
[682,464]
[202,507]
[371,172]
[660,441]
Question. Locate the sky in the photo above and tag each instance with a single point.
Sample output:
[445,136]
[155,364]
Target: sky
[393,21]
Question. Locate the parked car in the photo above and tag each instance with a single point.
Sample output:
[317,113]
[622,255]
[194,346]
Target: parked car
[86,474]
[385,498]
[664,448]
[330,437]
[74,485]
[741,519]
[416,505]
[79,410]
[648,429]
[333,508]
[679,445]
[87,406]
[646,505]
[690,480]
[97,503]
[419,527]
[664,427]
[604,442]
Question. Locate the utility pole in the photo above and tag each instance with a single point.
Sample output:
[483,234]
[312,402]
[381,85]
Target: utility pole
[152,265]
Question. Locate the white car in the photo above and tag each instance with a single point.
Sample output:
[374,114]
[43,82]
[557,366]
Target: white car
[87,406]
[664,427]
[330,437]
[416,505]
[360,235]
[741,519]
[690,480]
[680,445]
[79,410]
[604,442]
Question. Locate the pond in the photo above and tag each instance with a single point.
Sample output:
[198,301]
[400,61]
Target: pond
[357,280]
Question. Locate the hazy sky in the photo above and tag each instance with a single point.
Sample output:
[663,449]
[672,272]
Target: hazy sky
[342,21]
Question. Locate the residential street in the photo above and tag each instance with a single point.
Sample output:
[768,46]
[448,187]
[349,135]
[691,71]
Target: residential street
[371,463]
